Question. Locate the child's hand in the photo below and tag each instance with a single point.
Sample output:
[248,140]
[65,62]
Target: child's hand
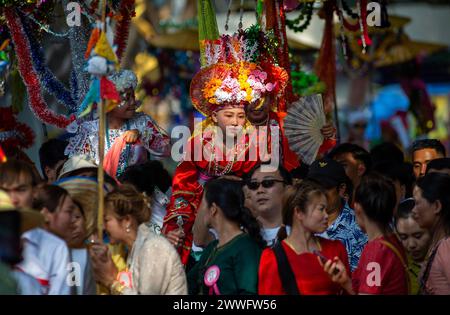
[131,136]
[328,131]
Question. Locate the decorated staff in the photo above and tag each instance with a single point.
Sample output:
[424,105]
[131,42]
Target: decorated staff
[101,129]
[120,137]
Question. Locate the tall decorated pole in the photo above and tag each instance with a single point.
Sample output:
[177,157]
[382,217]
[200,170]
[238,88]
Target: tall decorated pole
[101,149]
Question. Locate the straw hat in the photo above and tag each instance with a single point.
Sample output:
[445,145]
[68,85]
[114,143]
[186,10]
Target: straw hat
[76,163]
[83,190]
[29,219]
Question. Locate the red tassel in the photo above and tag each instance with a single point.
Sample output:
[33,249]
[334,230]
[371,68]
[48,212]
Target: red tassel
[327,145]
[123,26]
[325,66]
[3,158]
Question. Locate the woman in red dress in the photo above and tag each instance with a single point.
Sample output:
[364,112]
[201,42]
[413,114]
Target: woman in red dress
[382,267]
[304,209]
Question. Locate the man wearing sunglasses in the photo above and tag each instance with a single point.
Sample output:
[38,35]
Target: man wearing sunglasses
[342,224]
[265,193]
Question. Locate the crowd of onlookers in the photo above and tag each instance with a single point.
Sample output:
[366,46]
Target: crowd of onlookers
[353,222]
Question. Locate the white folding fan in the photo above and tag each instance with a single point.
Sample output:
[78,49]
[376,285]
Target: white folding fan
[302,125]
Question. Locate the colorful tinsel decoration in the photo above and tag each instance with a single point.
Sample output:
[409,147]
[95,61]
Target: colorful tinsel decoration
[28,73]
[49,82]
[265,41]
[13,133]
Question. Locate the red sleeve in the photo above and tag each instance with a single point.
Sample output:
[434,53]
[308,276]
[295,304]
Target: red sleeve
[269,282]
[185,200]
[327,145]
[290,158]
[374,265]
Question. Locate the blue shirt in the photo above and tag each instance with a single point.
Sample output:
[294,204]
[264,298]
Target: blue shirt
[346,229]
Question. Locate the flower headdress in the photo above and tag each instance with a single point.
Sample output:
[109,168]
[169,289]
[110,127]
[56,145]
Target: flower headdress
[230,79]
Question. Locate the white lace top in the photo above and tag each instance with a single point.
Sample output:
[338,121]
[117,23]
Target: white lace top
[152,139]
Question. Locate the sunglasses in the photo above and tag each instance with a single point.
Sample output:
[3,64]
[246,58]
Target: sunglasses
[266,183]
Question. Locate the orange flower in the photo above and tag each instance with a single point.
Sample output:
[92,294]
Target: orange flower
[211,87]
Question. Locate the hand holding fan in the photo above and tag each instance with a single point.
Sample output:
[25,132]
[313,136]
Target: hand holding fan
[305,118]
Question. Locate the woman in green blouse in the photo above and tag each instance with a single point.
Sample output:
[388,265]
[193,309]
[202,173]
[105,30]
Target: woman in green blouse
[228,265]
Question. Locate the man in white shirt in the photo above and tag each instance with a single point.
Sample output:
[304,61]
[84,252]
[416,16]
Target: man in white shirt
[45,256]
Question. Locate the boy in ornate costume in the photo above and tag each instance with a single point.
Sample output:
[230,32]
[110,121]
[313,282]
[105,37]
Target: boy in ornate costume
[129,136]
[221,91]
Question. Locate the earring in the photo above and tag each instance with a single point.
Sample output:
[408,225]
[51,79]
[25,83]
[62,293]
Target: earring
[127,229]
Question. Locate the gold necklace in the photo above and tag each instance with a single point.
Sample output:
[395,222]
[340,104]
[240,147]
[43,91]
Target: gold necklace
[229,165]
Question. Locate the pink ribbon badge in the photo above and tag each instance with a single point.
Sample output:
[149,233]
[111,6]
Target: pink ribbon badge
[212,275]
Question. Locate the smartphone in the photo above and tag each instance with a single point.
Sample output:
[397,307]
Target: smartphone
[324,259]
[10,249]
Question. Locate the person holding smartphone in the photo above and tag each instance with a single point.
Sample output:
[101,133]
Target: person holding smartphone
[382,268]
[300,255]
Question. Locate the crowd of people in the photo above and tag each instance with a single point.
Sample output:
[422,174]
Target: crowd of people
[353,222]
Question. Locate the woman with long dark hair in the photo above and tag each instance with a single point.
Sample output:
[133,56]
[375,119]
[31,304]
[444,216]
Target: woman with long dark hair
[295,264]
[228,265]
[432,212]
[415,240]
[382,267]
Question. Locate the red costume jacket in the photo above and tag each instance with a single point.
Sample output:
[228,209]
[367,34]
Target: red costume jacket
[190,176]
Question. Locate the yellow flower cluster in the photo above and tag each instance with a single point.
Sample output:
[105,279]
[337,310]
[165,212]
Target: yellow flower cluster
[244,71]
[210,88]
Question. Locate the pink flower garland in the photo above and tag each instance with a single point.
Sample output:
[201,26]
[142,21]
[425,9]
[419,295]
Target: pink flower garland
[29,75]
